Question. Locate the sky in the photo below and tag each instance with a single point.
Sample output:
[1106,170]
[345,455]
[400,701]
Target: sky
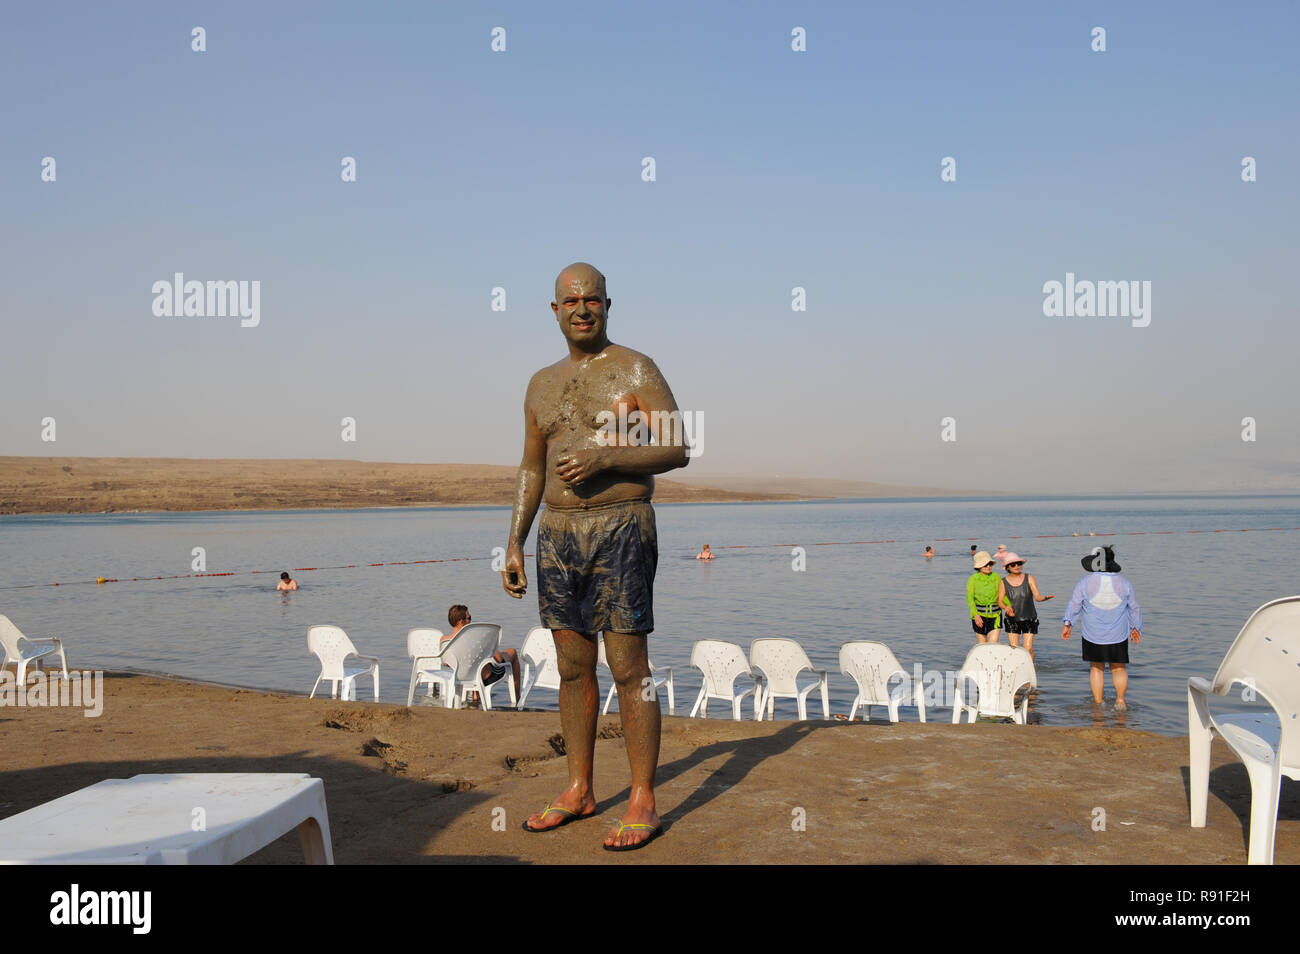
[774,169]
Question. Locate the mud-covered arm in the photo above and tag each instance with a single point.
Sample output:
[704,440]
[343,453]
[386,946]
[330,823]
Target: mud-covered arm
[529,486]
[531,479]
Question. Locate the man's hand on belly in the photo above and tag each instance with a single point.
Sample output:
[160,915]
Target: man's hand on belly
[577,466]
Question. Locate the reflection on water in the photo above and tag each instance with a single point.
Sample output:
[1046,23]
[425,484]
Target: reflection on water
[1196,589]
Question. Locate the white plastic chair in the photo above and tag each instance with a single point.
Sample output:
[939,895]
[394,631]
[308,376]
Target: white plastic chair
[660,677]
[1265,656]
[872,666]
[472,649]
[998,673]
[539,668]
[780,661]
[424,646]
[21,650]
[721,663]
[333,648]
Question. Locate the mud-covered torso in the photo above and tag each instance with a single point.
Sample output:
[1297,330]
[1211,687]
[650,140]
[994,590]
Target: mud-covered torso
[566,401]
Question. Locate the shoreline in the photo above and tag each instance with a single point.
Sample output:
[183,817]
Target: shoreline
[97,485]
[362,508]
[145,485]
[867,792]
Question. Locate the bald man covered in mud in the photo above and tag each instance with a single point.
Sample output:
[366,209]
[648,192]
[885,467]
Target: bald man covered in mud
[596,545]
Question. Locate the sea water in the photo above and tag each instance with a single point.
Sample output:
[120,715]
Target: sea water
[1199,564]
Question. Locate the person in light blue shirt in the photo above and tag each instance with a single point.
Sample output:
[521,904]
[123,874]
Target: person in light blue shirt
[1108,614]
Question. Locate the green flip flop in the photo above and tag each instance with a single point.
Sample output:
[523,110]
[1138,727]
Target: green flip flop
[573,816]
[655,832]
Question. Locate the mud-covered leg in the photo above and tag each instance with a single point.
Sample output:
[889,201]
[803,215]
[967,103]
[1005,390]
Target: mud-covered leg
[638,704]
[576,659]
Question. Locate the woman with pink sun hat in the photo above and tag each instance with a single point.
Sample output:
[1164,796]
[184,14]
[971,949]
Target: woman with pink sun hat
[1020,591]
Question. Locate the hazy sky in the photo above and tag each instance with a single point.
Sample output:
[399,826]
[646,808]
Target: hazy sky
[774,169]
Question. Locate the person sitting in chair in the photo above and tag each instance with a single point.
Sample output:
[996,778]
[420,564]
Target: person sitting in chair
[492,672]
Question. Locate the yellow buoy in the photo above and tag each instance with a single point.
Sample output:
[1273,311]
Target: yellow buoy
[100,581]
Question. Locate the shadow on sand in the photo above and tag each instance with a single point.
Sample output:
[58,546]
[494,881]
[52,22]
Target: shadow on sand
[1230,784]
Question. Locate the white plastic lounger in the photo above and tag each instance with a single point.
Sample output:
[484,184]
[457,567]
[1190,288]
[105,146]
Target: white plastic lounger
[1265,656]
[150,820]
[21,650]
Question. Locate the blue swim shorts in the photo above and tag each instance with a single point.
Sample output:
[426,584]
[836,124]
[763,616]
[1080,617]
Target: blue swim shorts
[596,568]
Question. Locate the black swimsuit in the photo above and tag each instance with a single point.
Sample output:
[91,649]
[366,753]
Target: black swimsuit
[1021,599]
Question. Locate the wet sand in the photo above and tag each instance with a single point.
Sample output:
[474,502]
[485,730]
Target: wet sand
[425,785]
[114,484]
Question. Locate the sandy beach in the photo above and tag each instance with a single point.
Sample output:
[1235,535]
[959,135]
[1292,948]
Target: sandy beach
[425,785]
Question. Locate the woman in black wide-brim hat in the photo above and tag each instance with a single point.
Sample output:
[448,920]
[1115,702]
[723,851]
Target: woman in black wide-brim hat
[1108,614]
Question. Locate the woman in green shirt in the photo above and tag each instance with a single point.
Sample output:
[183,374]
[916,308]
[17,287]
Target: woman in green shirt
[982,599]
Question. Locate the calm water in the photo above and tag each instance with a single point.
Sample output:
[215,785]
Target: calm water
[1196,589]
